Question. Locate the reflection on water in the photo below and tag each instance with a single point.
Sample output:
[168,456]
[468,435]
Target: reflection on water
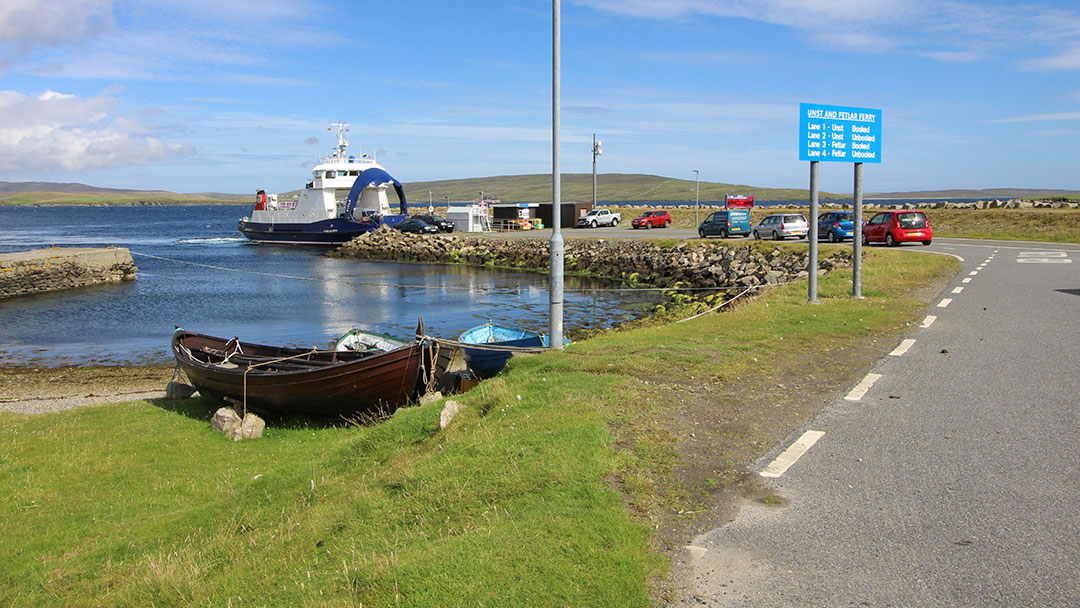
[196,273]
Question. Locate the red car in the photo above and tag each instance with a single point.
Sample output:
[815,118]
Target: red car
[897,226]
[649,219]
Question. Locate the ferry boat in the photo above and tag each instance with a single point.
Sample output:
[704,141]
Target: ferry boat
[346,197]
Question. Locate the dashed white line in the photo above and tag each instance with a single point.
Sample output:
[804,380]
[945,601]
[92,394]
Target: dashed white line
[861,388]
[965,280]
[903,347]
[945,302]
[928,321]
[973,273]
[795,451]
[957,289]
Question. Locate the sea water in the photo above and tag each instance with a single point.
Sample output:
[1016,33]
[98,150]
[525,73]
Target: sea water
[197,272]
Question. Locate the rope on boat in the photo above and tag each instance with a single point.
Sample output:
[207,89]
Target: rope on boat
[491,347]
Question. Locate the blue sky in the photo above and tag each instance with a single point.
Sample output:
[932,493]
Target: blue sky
[235,95]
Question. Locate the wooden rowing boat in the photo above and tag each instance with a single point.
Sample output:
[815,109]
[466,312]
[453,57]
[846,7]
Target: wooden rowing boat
[283,379]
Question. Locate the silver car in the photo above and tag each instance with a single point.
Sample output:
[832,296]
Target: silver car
[781,226]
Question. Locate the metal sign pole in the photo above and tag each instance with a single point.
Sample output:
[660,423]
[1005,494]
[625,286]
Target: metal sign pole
[555,329]
[811,266]
[856,237]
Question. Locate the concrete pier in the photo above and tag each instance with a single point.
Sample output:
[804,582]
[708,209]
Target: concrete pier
[41,270]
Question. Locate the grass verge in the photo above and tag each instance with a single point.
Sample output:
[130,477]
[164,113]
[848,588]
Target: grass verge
[548,489]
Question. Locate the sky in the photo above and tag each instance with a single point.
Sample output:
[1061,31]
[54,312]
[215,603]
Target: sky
[236,95]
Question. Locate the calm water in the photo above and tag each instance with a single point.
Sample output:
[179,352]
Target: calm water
[196,271]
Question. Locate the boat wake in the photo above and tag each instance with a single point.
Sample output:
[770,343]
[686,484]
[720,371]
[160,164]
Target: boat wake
[221,240]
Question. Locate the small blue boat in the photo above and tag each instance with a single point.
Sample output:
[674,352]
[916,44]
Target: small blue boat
[485,363]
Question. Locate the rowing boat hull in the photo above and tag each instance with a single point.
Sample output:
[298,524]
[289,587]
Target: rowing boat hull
[326,383]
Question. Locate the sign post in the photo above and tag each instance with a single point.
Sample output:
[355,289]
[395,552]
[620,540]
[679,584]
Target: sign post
[838,134]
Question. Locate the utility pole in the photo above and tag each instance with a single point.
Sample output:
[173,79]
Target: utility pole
[555,329]
[595,152]
[697,196]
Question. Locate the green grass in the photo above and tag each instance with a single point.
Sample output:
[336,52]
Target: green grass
[1051,225]
[545,490]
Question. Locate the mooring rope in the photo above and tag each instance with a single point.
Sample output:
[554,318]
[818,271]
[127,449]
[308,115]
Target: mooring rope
[439,287]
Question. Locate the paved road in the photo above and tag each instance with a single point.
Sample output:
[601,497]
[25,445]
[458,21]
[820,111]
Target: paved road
[953,481]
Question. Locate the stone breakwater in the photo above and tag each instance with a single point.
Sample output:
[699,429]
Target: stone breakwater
[56,268]
[687,264]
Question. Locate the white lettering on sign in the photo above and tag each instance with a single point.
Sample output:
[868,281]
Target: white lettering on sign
[855,154]
[813,126]
[864,137]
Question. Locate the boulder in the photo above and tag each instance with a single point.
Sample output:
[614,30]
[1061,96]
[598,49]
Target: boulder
[251,427]
[430,398]
[449,410]
[179,390]
[225,420]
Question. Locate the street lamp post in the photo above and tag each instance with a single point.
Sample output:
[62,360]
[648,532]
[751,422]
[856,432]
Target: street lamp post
[595,152]
[555,246]
[697,196]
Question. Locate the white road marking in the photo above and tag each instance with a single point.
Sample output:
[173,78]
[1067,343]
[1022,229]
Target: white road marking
[966,280]
[957,289]
[945,302]
[928,321]
[861,388]
[795,451]
[1043,257]
[903,347]
[972,273]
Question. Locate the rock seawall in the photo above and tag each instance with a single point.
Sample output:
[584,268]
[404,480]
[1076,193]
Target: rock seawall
[687,264]
[56,268]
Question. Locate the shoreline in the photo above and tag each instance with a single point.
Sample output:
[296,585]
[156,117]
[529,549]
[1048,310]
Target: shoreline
[40,390]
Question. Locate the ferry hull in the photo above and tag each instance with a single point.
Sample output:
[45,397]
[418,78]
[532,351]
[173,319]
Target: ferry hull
[325,232]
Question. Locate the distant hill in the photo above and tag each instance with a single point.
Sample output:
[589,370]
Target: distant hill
[989,193]
[578,187]
[613,187]
[51,193]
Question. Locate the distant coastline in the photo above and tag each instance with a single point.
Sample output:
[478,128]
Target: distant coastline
[612,189]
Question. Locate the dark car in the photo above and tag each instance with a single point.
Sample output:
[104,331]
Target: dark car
[836,225]
[441,223]
[726,223]
[415,225]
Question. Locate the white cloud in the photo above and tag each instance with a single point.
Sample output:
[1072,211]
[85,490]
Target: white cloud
[30,23]
[1041,117]
[1068,59]
[911,26]
[54,132]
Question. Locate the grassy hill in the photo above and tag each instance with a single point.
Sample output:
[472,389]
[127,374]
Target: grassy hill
[510,188]
[578,187]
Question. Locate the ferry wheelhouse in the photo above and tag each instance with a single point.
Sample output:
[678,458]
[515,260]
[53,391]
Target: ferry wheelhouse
[346,197]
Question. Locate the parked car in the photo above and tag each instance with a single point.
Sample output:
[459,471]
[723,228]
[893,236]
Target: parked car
[439,222]
[599,217]
[781,226]
[652,219]
[897,226]
[416,226]
[836,225]
[726,223]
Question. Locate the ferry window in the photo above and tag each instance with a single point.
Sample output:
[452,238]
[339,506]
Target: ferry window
[318,174]
[329,174]
[354,173]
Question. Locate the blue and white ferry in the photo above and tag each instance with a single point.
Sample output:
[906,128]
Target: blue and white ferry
[346,197]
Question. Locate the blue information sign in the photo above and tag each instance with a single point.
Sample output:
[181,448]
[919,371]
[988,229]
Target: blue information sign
[839,134]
